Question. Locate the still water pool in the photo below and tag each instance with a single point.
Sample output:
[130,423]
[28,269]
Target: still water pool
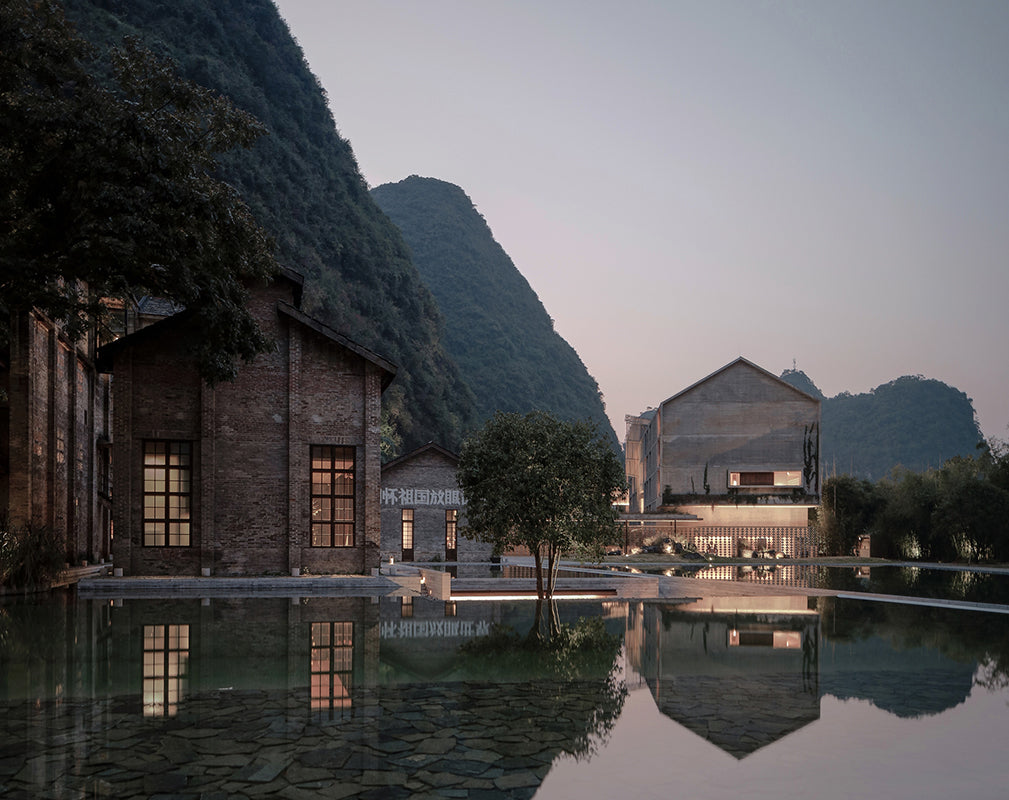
[371,697]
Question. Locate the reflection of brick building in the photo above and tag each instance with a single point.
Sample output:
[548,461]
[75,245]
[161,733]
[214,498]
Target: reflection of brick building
[55,421]
[738,449]
[423,509]
[274,471]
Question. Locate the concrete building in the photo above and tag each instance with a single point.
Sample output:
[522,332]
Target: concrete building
[739,450]
[55,426]
[275,471]
[423,509]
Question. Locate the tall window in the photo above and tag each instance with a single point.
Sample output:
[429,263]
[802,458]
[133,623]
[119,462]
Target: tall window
[167,498]
[166,662]
[332,666]
[332,496]
[451,525]
[406,522]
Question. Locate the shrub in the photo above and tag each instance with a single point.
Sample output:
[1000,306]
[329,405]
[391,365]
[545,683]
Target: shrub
[30,558]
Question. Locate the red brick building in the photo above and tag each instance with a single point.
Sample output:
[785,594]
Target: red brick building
[55,425]
[277,470]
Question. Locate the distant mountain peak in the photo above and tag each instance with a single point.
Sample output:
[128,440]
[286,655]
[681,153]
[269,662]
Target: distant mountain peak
[801,381]
[496,327]
[912,421]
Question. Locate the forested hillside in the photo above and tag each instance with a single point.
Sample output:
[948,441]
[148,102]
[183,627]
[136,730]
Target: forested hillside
[914,422]
[303,184]
[496,327]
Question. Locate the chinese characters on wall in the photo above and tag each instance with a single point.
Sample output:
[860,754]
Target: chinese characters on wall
[423,497]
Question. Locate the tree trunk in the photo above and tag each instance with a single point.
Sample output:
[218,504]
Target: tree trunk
[554,619]
[536,631]
[538,561]
[552,568]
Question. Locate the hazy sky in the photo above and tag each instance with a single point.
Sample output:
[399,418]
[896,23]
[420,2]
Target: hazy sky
[686,182]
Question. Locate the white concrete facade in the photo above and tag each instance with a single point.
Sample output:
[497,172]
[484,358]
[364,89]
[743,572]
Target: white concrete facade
[737,448]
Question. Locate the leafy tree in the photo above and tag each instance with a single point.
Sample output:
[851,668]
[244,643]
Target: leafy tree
[111,191]
[904,525]
[533,481]
[972,516]
[959,511]
[583,654]
[848,510]
[993,458]
[303,185]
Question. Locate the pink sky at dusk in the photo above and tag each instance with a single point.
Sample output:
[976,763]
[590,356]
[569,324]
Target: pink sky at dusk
[686,182]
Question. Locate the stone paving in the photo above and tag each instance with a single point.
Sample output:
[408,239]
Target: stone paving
[468,740]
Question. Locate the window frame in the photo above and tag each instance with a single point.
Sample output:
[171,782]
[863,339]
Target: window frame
[407,528]
[333,510]
[769,479]
[452,530]
[165,668]
[166,506]
[331,667]
[407,533]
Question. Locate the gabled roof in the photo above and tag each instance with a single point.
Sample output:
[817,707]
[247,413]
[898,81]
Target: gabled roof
[294,278]
[174,316]
[108,353]
[750,364]
[388,368]
[424,448]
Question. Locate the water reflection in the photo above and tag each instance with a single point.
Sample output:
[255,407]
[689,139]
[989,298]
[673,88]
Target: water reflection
[298,697]
[332,668]
[166,661]
[932,581]
[739,673]
[743,674]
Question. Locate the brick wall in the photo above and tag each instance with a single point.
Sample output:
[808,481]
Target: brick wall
[251,446]
[425,482]
[56,414]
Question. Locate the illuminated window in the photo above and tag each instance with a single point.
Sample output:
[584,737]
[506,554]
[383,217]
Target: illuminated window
[450,608]
[788,478]
[406,521]
[451,526]
[167,498]
[769,478]
[784,640]
[332,496]
[166,662]
[406,606]
[332,667]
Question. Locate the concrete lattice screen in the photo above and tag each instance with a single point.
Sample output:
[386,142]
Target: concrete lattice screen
[727,541]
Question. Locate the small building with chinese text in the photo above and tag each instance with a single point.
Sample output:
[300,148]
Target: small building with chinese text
[423,509]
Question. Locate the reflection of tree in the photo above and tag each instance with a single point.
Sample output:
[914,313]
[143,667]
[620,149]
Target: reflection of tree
[582,655]
[994,672]
[963,637]
[811,661]
[30,632]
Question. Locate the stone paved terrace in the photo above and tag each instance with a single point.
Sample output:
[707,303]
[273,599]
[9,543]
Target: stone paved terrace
[495,741]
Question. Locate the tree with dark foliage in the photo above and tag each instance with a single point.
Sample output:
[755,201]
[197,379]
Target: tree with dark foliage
[534,481]
[110,191]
